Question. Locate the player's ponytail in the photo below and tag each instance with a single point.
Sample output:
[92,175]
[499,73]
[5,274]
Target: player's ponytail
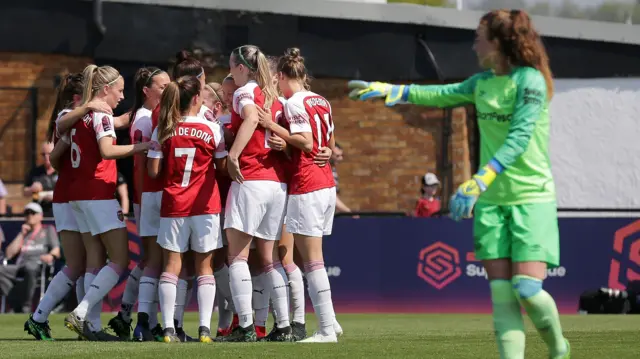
[263,78]
[519,41]
[176,102]
[70,86]
[258,65]
[143,79]
[95,79]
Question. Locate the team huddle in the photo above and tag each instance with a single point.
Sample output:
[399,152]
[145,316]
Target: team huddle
[233,194]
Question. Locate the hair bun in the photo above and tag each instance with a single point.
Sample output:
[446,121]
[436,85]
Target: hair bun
[183,56]
[293,54]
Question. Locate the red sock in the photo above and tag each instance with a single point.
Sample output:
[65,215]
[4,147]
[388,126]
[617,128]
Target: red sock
[235,322]
[261,332]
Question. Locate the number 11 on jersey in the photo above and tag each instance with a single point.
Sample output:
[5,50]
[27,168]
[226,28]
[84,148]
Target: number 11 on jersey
[190,153]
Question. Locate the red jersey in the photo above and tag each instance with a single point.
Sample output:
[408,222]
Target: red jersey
[286,162]
[426,207]
[94,178]
[224,181]
[62,188]
[141,130]
[257,161]
[309,112]
[190,187]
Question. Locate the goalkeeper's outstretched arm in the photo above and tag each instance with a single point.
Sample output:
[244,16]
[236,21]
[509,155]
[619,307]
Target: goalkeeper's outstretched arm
[451,95]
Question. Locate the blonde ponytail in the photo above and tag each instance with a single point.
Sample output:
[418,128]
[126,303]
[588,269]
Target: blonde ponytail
[87,75]
[263,77]
[95,78]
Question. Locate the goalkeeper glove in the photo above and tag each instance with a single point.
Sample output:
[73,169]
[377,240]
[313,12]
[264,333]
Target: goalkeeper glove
[462,202]
[393,94]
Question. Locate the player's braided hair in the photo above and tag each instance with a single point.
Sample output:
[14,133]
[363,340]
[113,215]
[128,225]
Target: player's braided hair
[519,41]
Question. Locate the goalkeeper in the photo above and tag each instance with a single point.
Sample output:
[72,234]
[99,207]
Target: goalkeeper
[515,221]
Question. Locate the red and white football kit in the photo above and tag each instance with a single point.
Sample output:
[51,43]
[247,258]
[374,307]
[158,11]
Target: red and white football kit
[190,199]
[312,191]
[94,178]
[63,215]
[139,132]
[256,206]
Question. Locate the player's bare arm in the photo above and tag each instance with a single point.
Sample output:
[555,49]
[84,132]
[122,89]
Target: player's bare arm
[122,121]
[58,152]
[70,118]
[154,166]
[109,151]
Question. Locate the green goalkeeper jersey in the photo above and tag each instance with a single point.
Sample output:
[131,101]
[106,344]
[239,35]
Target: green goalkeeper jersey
[513,119]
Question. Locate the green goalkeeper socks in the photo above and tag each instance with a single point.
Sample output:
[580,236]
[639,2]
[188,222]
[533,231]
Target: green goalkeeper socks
[507,320]
[543,312]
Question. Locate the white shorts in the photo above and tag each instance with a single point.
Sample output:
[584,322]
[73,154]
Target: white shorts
[98,216]
[256,208]
[64,218]
[150,213]
[198,233]
[311,214]
[136,215]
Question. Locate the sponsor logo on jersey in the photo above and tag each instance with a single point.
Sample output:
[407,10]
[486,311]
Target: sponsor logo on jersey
[106,124]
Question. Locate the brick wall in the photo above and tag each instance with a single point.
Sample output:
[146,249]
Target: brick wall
[19,73]
[387,150]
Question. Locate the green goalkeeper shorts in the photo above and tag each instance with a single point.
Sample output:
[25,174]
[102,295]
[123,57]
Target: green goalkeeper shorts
[524,232]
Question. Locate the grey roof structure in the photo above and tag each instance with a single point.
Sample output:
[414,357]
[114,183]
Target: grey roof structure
[407,14]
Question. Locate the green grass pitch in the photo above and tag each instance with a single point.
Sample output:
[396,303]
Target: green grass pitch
[366,336]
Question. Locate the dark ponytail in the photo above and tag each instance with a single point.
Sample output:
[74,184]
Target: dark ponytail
[70,86]
[144,78]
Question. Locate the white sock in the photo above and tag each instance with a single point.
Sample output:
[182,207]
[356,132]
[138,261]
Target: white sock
[167,290]
[93,316]
[130,294]
[106,279]
[80,288]
[206,296]
[225,315]
[57,290]
[320,293]
[296,290]
[181,300]
[240,279]
[260,299]
[277,279]
[223,285]
[147,295]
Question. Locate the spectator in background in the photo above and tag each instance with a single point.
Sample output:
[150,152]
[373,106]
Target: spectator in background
[41,180]
[3,200]
[337,157]
[122,193]
[428,204]
[34,245]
